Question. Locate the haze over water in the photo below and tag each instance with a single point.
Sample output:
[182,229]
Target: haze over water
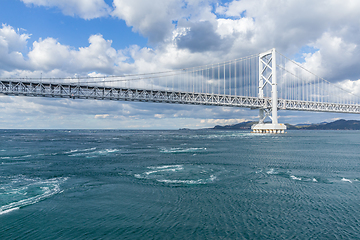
[179,185]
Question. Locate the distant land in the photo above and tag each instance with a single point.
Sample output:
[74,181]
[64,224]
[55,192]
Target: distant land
[336,125]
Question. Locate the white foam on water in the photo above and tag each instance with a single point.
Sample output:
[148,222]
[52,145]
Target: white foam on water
[138,175]
[16,157]
[314,180]
[212,178]
[89,153]
[179,181]
[89,149]
[80,150]
[271,171]
[109,151]
[190,182]
[224,134]
[178,174]
[78,154]
[346,180]
[166,166]
[47,189]
[295,178]
[182,150]
[9,210]
[150,172]
[72,151]
[170,168]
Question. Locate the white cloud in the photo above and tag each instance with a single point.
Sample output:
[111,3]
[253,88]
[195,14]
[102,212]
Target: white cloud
[350,86]
[12,43]
[292,24]
[56,60]
[153,19]
[157,19]
[48,54]
[12,40]
[102,115]
[87,9]
[186,33]
[336,59]
[99,56]
[240,27]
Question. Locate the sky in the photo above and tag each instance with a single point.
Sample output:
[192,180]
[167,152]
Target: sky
[67,38]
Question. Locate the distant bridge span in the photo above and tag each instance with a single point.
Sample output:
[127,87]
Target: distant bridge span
[267,81]
[33,89]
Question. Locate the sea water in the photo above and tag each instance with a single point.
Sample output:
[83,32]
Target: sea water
[205,184]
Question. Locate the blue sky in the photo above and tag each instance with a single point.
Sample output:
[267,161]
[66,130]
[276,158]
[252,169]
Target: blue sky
[60,38]
[43,22]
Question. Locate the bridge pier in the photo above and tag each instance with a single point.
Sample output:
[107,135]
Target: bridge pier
[267,75]
[268,128]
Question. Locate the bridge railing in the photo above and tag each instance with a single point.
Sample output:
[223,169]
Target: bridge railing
[239,77]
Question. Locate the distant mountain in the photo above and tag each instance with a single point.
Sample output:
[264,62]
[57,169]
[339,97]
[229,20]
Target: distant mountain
[336,125]
[238,126]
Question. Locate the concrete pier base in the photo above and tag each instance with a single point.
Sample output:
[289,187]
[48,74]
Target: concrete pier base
[268,128]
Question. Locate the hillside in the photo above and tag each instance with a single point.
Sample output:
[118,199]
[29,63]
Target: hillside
[336,125]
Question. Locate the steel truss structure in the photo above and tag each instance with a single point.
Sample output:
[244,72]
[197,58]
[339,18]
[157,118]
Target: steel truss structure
[294,97]
[31,89]
[318,106]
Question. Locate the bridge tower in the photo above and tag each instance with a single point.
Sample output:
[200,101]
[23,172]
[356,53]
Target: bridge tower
[267,76]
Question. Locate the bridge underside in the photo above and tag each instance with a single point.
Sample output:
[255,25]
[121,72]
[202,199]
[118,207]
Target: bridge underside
[31,89]
[20,88]
[126,94]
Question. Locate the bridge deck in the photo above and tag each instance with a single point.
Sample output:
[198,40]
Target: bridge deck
[63,90]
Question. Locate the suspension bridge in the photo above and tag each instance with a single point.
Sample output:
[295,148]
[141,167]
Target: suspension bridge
[267,81]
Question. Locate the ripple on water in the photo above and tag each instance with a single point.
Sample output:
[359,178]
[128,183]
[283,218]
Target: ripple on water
[90,152]
[19,191]
[305,177]
[182,150]
[180,174]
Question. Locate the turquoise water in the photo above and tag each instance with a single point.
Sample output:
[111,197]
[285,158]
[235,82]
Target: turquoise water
[179,185]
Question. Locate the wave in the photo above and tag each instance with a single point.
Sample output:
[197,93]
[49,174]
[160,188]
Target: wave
[295,178]
[271,171]
[167,167]
[346,180]
[198,181]
[229,134]
[80,150]
[15,157]
[90,153]
[182,150]
[179,174]
[9,210]
[108,151]
[21,191]
[289,175]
